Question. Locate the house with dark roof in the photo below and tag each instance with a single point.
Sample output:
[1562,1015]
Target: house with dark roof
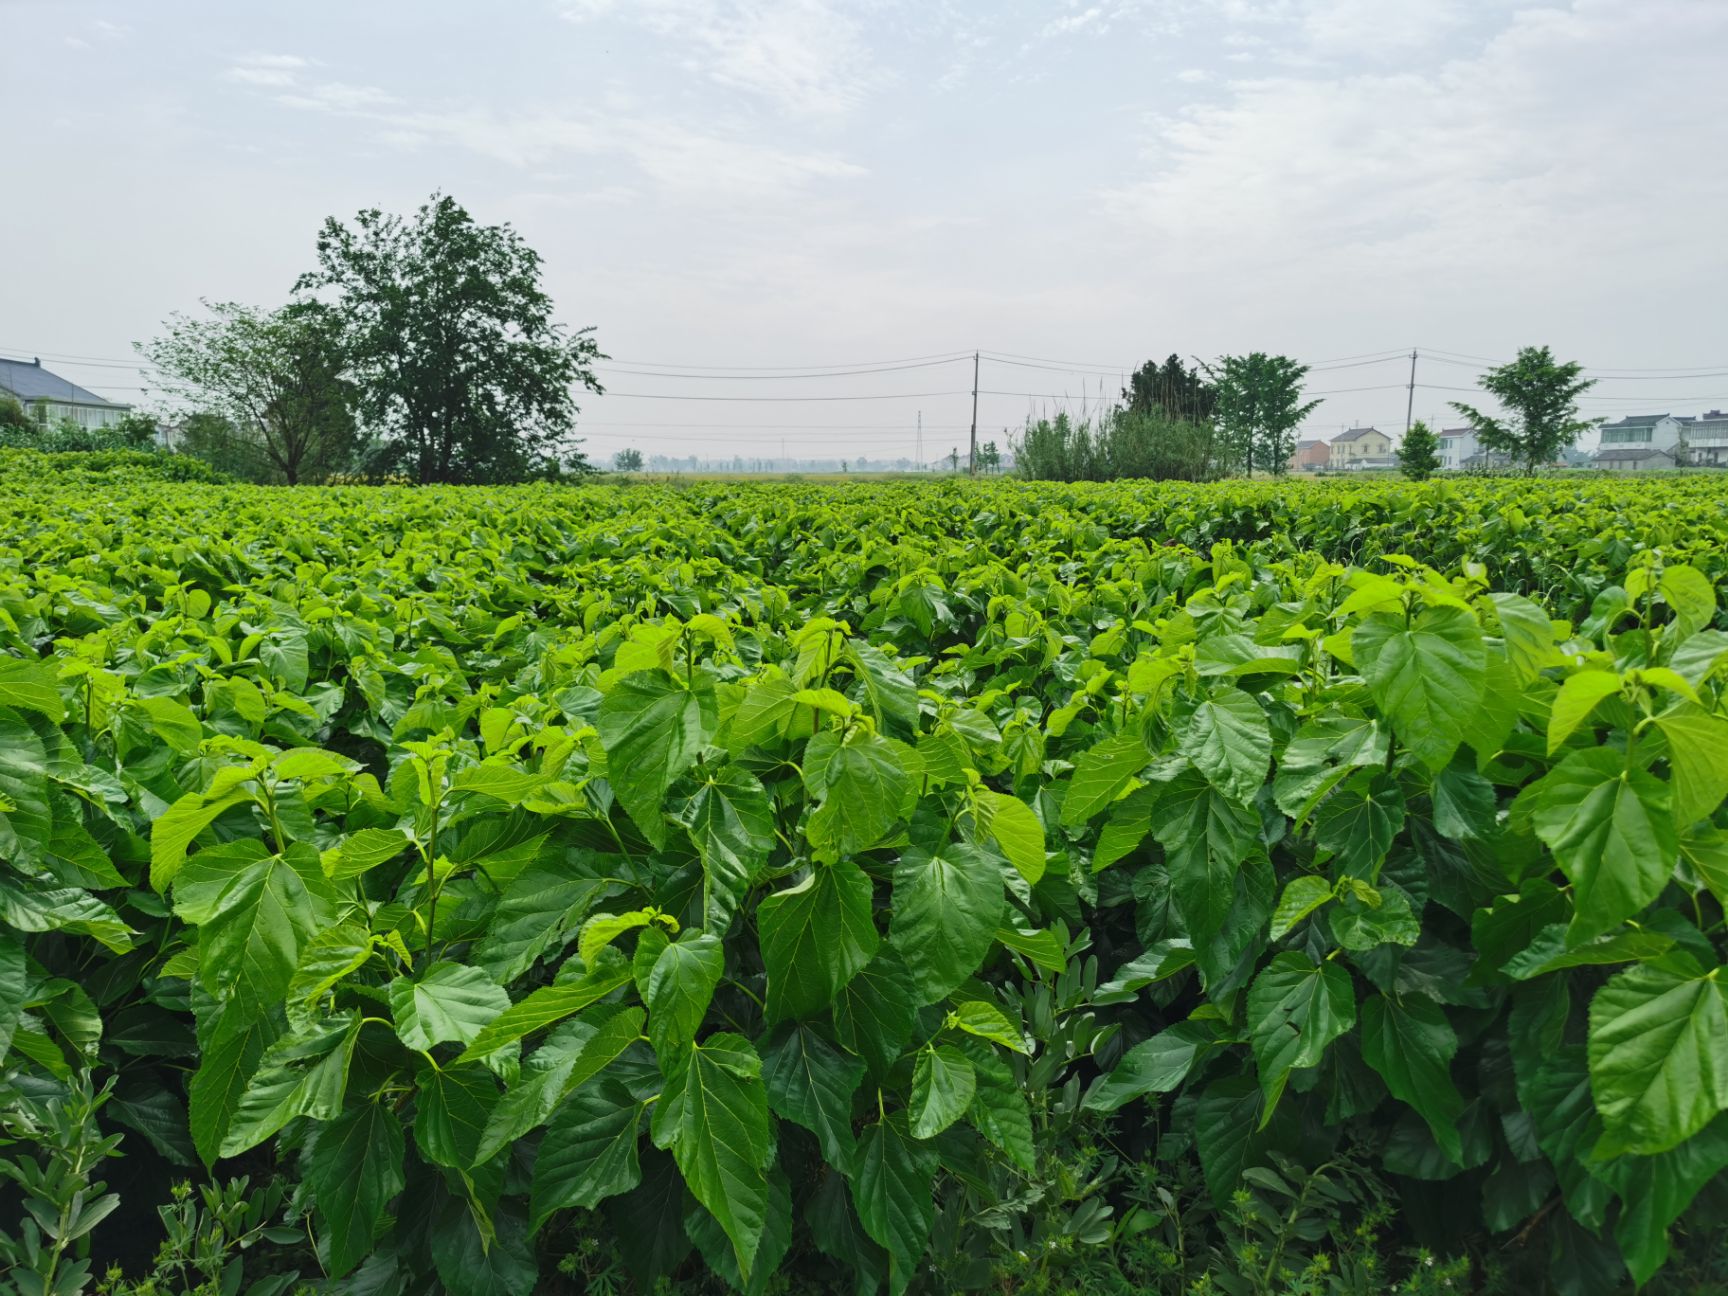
[48,397]
[1633,459]
[1310,456]
[1349,448]
[1645,432]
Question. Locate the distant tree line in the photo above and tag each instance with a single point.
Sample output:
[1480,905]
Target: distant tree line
[422,345]
[1176,422]
[1241,415]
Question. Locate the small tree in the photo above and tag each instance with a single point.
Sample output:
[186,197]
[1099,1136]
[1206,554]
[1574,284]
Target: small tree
[1419,453]
[628,461]
[273,371]
[989,457]
[137,430]
[13,414]
[1260,407]
[1540,398]
[450,337]
[224,445]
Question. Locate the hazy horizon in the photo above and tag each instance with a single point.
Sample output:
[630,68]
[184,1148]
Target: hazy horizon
[774,184]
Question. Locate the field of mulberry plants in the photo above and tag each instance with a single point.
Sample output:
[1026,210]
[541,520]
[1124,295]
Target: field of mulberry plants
[934,887]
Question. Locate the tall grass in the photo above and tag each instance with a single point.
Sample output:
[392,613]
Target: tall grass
[1117,443]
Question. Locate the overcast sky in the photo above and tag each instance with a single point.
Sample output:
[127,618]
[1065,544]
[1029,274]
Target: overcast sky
[776,183]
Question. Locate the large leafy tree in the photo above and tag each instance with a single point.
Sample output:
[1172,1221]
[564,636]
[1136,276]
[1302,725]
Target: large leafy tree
[1419,455]
[461,368]
[1171,389]
[275,374]
[628,461]
[1540,398]
[1260,406]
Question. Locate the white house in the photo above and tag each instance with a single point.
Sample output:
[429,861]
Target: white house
[1661,432]
[49,397]
[1706,438]
[1457,445]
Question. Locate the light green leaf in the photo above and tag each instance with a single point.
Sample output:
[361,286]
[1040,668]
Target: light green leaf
[545,1006]
[987,1021]
[1009,821]
[1427,676]
[450,1002]
[174,831]
[943,1083]
[863,785]
[731,825]
[363,851]
[1612,831]
[1698,757]
[652,729]
[1578,697]
[1101,773]
[1658,1052]
[604,928]
[1302,896]
[1229,741]
[679,990]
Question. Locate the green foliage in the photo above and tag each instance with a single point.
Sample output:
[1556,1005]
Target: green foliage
[267,389]
[1419,452]
[1259,407]
[1177,393]
[1539,399]
[921,888]
[457,363]
[628,461]
[1120,443]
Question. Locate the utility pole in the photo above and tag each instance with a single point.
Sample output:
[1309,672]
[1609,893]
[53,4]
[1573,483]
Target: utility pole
[920,450]
[1410,401]
[972,459]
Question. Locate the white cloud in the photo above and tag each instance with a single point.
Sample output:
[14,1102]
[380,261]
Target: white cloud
[273,70]
[1074,22]
[800,56]
[260,76]
[1534,147]
[334,96]
[284,61]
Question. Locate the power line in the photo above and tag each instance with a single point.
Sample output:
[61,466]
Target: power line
[708,397]
[776,377]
